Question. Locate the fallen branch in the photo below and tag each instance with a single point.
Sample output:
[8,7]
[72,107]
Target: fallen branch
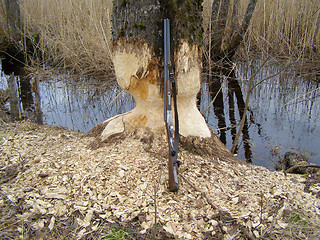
[300,166]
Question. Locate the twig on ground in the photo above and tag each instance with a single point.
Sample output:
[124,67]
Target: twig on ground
[275,218]
[203,194]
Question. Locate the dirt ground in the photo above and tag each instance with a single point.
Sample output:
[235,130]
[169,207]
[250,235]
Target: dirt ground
[52,186]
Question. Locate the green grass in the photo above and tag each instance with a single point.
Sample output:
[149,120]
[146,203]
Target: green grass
[117,233]
[296,218]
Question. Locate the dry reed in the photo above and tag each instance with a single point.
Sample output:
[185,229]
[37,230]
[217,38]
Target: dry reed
[281,27]
[288,27]
[75,34]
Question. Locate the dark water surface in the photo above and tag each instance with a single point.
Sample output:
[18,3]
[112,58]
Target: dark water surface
[284,110]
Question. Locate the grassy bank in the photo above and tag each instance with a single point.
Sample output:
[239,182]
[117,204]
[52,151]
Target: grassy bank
[75,34]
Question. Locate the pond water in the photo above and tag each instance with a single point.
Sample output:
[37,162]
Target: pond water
[283,116]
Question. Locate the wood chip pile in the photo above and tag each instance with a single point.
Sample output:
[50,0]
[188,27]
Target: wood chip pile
[54,174]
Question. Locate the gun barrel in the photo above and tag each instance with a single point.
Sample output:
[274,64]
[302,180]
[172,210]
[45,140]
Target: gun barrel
[169,92]
[166,43]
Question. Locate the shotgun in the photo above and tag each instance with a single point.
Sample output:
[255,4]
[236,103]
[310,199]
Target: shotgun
[170,94]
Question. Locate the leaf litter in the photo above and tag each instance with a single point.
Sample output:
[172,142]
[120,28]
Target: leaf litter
[50,178]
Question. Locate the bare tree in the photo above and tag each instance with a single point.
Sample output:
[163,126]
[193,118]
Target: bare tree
[13,19]
[219,15]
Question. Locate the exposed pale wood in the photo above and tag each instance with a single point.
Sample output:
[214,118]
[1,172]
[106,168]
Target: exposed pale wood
[137,59]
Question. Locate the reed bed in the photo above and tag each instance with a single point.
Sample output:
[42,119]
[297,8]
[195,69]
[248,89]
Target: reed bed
[76,34]
[287,27]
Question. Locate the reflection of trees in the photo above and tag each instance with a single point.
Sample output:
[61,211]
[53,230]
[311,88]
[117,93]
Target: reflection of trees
[82,105]
[218,106]
[234,90]
[235,101]
[27,96]
[30,102]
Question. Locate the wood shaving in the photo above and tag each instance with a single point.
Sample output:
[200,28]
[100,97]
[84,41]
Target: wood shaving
[58,176]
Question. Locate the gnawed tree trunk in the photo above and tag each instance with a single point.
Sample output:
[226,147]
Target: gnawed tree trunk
[138,63]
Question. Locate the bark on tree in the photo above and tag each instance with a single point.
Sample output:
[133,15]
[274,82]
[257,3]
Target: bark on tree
[14,98]
[315,34]
[13,19]
[219,21]
[37,100]
[137,36]
[238,35]
[235,15]
[219,15]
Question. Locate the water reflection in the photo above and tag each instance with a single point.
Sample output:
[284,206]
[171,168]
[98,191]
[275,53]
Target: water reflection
[228,106]
[283,113]
[284,110]
[80,105]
